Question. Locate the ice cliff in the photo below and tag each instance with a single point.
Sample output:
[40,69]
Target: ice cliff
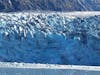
[50,38]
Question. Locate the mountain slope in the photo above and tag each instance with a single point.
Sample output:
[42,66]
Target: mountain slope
[49,5]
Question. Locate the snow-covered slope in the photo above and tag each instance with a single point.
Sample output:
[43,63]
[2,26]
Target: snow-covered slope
[54,38]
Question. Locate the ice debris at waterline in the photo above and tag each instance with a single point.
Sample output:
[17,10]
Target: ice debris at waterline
[50,38]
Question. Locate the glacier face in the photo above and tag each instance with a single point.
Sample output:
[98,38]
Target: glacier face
[50,38]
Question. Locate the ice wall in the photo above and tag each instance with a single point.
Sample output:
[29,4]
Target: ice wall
[50,38]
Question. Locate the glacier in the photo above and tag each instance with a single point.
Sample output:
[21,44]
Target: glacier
[50,38]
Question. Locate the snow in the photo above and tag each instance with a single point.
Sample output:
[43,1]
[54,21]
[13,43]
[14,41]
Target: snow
[50,38]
